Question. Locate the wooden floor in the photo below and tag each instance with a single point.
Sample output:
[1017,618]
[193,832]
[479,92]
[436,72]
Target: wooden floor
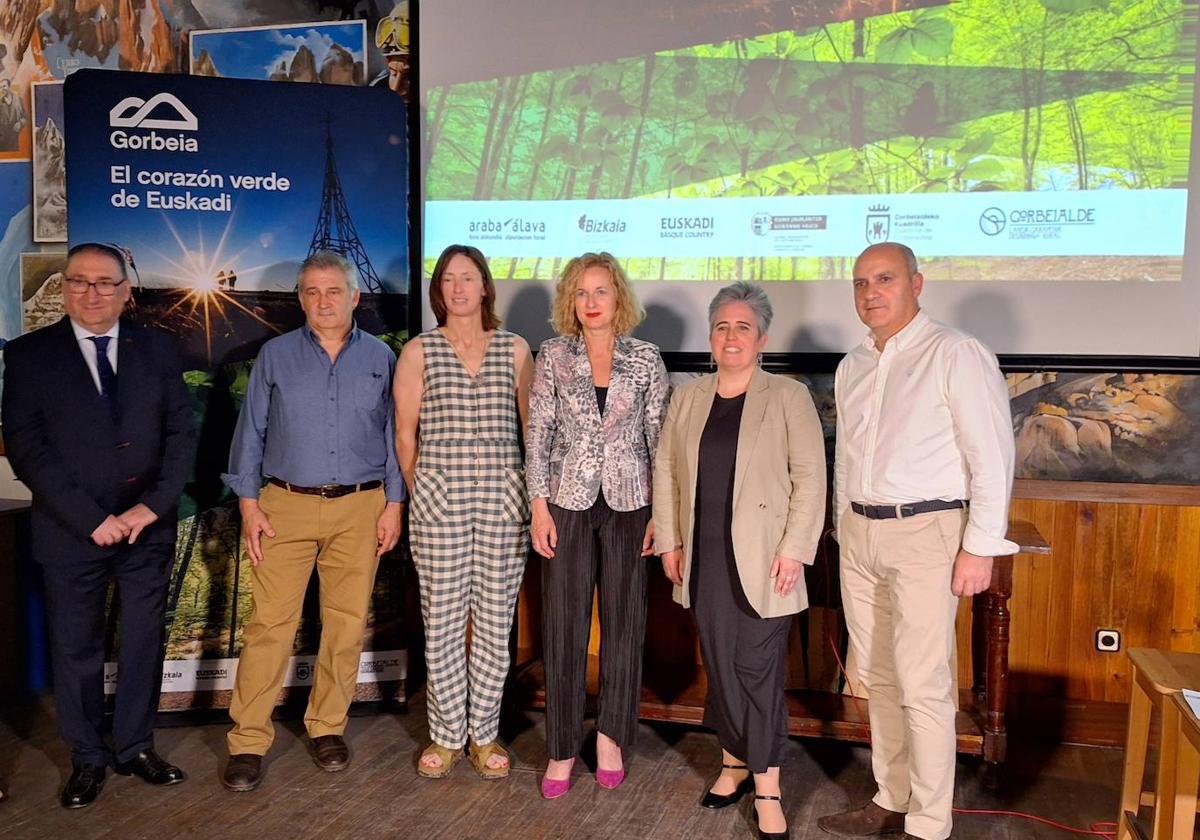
[379,796]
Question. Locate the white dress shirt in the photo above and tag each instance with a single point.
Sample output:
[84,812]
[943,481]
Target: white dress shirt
[927,418]
[88,348]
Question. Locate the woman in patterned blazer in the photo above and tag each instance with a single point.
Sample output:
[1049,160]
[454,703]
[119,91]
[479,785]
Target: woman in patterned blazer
[597,403]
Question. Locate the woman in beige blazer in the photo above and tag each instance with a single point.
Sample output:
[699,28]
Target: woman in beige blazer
[739,501]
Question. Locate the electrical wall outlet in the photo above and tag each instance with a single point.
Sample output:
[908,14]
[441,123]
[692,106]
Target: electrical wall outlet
[1108,641]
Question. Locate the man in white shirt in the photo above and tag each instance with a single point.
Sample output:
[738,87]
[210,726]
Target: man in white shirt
[922,477]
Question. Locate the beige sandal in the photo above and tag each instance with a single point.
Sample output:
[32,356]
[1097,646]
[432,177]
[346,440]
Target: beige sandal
[479,755]
[449,759]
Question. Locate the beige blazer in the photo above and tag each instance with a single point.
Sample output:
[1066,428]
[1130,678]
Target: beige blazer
[778,486]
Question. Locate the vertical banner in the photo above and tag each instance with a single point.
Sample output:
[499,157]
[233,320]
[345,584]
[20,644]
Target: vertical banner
[216,190]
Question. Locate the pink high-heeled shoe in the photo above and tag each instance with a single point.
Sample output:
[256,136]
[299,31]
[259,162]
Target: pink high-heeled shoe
[609,778]
[554,788]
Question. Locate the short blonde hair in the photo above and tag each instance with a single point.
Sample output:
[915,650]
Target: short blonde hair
[562,313]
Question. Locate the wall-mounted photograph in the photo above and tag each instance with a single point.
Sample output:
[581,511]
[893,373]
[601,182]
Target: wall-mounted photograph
[49,164]
[41,289]
[332,53]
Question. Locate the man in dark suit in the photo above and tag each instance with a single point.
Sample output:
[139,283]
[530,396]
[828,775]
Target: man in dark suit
[98,424]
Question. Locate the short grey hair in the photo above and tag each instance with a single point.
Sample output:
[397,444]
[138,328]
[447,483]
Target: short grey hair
[747,293]
[331,259]
[910,259]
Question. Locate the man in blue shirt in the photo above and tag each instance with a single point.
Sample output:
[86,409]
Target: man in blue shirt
[317,426]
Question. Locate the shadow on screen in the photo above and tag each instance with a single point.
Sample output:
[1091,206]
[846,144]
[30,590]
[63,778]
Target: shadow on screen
[812,339]
[663,326]
[528,314]
[987,314]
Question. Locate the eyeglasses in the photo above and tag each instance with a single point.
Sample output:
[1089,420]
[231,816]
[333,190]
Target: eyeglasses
[79,286]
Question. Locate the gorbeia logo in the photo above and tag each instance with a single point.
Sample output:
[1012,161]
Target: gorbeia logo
[133,112]
[119,116]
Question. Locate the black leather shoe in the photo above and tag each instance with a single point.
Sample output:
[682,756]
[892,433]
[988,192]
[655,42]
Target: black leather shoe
[770,835]
[150,767]
[330,753]
[242,773]
[85,784]
[724,800]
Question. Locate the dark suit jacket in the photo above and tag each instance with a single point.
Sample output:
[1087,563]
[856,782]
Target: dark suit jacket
[78,463]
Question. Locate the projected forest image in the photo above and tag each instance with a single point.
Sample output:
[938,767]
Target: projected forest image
[998,96]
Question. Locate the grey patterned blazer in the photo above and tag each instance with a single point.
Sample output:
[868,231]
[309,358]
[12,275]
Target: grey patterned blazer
[571,451]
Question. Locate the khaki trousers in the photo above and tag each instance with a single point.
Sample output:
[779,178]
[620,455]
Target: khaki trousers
[900,614]
[339,537]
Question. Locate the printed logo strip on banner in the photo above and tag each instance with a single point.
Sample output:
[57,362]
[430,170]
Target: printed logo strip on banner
[993,224]
[189,675]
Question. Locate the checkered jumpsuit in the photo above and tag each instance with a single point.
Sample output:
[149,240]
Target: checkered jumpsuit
[468,533]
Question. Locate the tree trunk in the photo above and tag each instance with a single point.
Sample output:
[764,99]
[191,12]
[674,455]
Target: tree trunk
[511,109]
[439,121]
[537,162]
[580,125]
[635,148]
[481,175]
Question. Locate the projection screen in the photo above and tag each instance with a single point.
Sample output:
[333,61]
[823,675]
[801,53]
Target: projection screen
[1036,154]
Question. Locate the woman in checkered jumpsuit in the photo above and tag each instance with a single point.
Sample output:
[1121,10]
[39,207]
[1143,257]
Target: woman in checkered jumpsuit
[461,398]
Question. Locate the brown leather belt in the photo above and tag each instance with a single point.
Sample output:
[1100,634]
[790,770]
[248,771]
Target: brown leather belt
[905,511]
[326,491]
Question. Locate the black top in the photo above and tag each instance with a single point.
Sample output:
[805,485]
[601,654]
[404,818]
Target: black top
[601,397]
[713,562]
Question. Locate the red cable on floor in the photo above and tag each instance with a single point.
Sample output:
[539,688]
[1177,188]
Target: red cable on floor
[1094,830]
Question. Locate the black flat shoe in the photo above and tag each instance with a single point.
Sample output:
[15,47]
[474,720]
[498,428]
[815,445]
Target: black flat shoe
[770,835]
[85,784]
[150,767]
[715,801]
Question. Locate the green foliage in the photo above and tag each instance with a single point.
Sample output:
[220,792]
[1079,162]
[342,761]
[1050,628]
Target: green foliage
[929,34]
[395,340]
[971,96]
[239,379]
[1070,7]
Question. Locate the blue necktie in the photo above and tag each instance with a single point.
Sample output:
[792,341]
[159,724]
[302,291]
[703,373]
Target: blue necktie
[108,376]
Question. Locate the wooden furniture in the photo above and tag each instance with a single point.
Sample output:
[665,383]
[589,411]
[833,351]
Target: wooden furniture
[1126,556]
[1187,770]
[674,685]
[990,623]
[1158,675]
[12,680]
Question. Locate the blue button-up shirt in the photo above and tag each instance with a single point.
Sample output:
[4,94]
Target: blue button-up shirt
[309,421]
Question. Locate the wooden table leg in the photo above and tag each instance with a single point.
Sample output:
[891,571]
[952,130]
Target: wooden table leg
[1186,777]
[1169,759]
[995,731]
[1137,734]
[979,610]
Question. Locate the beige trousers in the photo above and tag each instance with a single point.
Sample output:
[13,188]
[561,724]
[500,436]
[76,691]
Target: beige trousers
[900,614]
[339,537]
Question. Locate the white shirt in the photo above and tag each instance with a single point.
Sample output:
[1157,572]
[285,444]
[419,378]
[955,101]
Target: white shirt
[927,418]
[88,348]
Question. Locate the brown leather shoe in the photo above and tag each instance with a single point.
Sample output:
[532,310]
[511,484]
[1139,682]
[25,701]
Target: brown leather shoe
[868,821]
[242,773]
[330,753]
